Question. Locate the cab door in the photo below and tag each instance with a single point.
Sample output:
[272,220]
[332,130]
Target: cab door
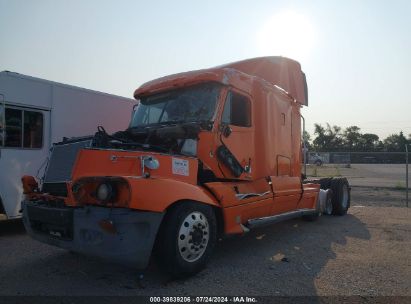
[249,197]
[236,136]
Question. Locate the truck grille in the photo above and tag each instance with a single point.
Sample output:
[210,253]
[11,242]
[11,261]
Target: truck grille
[60,166]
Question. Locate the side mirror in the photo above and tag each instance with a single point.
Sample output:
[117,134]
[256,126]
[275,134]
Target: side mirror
[133,112]
[227,130]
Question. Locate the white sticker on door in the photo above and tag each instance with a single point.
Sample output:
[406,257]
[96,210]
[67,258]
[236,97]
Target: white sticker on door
[180,166]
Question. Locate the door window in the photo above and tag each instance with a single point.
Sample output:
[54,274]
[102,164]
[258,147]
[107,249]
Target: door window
[237,110]
[22,128]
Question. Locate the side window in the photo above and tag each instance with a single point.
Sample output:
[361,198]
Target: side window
[33,129]
[237,110]
[22,128]
[13,127]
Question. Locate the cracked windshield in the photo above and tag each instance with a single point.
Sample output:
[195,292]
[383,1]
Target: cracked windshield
[185,105]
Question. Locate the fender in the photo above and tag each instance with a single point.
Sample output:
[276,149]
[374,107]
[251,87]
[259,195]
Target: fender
[157,194]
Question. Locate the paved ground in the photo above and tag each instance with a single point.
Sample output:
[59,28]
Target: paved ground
[367,252]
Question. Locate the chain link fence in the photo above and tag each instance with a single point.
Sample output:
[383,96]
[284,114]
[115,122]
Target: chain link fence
[357,157]
[372,170]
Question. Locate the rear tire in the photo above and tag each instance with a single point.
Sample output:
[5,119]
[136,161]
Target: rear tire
[328,203]
[186,239]
[325,183]
[341,196]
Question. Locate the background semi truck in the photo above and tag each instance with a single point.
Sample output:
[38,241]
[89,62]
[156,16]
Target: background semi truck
[34,113]
[208,153]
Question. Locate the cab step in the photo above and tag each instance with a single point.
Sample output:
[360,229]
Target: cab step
[265,221]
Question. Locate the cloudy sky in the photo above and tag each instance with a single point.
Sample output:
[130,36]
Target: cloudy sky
[356,54]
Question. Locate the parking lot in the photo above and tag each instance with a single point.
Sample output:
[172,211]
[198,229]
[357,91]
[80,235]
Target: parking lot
[366,252]
[365,175]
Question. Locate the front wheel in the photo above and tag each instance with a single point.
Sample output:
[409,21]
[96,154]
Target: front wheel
[187,238]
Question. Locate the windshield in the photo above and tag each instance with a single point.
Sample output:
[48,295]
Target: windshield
[196,103]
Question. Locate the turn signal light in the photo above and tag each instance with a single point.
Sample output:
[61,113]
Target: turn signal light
[29,184]
[108,226]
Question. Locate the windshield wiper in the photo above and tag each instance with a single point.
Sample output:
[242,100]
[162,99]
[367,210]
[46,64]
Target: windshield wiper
[163,123]
[134,144]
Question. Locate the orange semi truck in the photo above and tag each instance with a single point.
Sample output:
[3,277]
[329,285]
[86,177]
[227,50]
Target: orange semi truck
[208,153]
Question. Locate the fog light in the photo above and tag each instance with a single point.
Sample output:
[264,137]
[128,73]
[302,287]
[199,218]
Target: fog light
[104,192]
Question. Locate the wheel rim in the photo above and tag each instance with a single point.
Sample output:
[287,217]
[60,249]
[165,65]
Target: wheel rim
[344,202]
[193,236]
[328,206]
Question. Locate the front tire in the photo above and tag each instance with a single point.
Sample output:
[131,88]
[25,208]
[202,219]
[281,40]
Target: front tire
[187,238]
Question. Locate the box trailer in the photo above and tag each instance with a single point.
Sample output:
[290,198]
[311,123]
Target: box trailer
[35,113]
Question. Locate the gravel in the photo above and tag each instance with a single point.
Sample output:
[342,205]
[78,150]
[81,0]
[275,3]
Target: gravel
[366,252]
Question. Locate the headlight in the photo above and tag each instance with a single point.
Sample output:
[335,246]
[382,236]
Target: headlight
[104,192]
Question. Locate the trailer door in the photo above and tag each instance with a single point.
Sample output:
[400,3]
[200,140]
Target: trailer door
[24,145]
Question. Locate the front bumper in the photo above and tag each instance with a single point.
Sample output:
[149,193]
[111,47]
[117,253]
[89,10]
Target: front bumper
[80,230]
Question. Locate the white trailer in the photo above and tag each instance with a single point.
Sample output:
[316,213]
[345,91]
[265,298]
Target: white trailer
[34,114]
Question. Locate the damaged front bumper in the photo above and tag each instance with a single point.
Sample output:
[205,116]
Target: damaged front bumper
[118,234]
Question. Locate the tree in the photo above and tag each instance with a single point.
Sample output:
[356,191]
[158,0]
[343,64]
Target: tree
[352,138]
[307,140]
[395,143]
[327,139]
[330,138]
[370,142]
[320,140]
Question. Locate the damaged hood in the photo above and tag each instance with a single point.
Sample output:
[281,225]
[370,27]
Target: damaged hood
[97,163]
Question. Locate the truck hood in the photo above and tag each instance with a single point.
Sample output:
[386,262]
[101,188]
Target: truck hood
[96,162]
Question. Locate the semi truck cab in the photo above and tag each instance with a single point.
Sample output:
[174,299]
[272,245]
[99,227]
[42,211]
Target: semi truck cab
[208,153]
